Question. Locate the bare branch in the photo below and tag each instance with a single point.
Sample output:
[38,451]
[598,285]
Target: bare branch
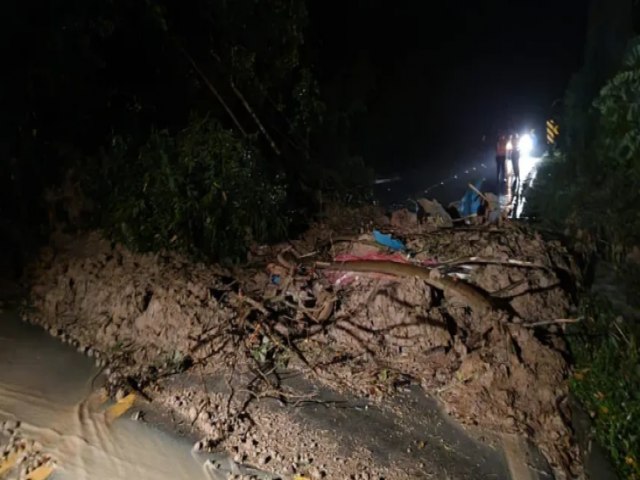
[238,93]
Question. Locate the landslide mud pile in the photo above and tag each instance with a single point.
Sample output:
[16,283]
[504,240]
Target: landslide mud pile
[472,314]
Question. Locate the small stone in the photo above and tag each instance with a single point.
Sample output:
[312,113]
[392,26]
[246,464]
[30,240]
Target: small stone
[9,425]
[198,446]
[317,474]
[120,394]
[193,414]
[138,416]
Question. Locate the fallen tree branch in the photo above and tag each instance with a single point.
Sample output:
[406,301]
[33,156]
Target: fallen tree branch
[473,296]
[253,303]
[559,321]
[478,192]
[495,261]
[508,288]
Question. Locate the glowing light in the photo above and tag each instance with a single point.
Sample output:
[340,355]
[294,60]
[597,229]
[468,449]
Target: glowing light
[525,144]
[528,166]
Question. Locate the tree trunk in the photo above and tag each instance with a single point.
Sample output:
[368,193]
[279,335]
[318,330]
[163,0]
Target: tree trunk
[255,117]
[214,91]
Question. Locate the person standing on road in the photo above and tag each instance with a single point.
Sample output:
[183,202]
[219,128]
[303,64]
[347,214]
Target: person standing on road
[515,159]
[501,160]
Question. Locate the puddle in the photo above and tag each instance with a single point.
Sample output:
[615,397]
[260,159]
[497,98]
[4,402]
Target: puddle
[47,386]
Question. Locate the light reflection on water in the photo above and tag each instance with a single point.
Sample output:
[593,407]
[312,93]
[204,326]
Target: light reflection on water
[47,387]
[512,194]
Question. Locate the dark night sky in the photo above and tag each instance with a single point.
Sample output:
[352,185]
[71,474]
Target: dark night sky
[445,75]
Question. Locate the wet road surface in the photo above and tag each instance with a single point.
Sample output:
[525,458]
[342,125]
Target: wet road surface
[47,387]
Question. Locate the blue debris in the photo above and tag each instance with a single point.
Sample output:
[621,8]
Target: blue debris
[471,201]
[275,279]
[388,241]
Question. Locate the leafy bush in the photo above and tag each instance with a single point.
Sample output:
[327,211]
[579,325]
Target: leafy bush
[601,195]
[203,192]
[619,107]
[607,382]
[591,190]
[550,198]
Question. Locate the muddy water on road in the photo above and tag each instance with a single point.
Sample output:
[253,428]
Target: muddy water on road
[47,386]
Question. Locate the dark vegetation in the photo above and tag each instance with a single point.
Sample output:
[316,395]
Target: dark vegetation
[201,129]
[589,187]
[607,380]
[207,128]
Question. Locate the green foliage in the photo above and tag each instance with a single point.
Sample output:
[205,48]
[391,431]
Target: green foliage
[116,76]
[203,192]
[590,189]
[551,196]
[618,106]
[602,195]
[607,381]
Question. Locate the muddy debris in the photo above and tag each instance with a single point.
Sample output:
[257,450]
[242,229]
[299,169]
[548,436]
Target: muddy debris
[469,313]
[22,455]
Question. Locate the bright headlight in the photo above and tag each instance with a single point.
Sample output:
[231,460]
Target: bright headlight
[525,144]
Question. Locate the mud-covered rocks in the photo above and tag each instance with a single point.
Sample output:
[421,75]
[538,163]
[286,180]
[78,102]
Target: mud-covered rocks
[153,315]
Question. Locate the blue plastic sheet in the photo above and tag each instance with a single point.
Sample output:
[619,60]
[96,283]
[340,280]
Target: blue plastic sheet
[471,201]
[388,241]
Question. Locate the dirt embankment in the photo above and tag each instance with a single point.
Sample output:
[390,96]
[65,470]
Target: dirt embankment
[474,315]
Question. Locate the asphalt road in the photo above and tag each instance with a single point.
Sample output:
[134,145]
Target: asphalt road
[450,185]
[444,178]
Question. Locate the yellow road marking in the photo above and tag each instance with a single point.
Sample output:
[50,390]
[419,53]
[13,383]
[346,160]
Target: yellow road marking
[42,472]
[9,462]
[121,407]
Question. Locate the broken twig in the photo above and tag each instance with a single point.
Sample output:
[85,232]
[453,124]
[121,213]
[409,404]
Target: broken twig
[495,261]
[559,321]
